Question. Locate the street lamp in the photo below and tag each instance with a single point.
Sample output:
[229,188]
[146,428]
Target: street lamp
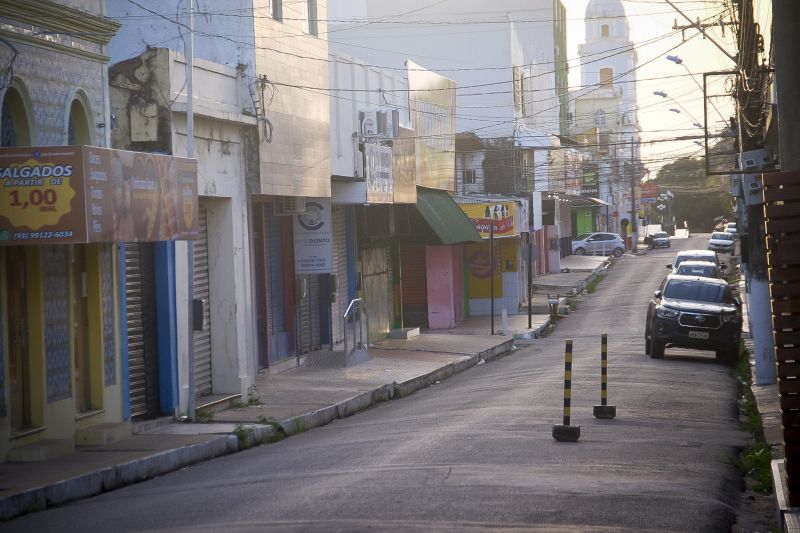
[678,61]
[662,94]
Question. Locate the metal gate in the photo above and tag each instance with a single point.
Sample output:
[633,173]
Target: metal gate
[414,283]
[375,264]
[202,339]
[340,269]
[140,292]
[276,329]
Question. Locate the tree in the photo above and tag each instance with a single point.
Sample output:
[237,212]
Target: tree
[699,199]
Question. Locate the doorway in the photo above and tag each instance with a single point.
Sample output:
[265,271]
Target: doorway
[80,330]
[19,356]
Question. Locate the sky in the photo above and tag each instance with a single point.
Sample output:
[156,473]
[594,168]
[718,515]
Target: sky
[651,23]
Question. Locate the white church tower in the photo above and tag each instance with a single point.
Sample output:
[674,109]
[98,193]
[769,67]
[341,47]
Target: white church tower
[605,109]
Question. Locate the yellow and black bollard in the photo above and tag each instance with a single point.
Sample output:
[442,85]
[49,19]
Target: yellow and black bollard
[565,432]
[604,410]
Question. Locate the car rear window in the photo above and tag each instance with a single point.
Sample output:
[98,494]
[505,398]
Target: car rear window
[697,291]
[722,236]
[694,270]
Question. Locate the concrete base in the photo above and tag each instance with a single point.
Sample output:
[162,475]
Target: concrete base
[103,434]
[404,333]
[566,433]
[44,450]
[605,412]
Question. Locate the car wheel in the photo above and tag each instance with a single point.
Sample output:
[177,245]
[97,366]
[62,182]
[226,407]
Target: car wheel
[669,246]
[656,349]
[647,345]
[579,251]
[618,252]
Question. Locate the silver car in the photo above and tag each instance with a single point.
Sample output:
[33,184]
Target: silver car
[598,243]
[721,241]
[704,269]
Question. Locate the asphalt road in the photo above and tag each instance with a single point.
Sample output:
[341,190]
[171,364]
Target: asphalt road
[475,452]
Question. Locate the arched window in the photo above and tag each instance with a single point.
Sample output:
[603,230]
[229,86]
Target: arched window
[606,76]
[78,130]
[604,31]
[600,118]
[15,129]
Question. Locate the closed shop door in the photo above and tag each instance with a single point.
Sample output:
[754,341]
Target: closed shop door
[140,286]
[340,270]
[414,282]
[202,289]
[16,279]
[309,317]
[279,338]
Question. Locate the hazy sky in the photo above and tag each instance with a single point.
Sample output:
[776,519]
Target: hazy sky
[651,24]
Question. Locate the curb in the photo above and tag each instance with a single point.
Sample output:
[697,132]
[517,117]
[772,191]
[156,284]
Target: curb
[114,477]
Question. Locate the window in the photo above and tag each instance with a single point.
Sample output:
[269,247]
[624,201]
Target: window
[603,141]
[277,10]
[600,118]
[468,176]
[312,18]
[604,30]
[78,132]
[606,76]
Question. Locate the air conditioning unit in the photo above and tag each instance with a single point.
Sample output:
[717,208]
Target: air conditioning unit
[755,160]
[752,190]
[379,123]
[289,205]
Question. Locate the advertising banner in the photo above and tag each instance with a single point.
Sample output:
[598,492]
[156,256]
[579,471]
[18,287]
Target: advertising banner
[501,215]
[378,166]
[479,270]
[82,194]
[313,238]
[590,185]
[648,189]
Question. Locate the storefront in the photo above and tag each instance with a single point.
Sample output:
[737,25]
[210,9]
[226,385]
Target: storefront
[65,214]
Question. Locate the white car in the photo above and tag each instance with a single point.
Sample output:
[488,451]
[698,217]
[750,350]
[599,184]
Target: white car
[721,241]
[598,243]
[730,227]
[693,255]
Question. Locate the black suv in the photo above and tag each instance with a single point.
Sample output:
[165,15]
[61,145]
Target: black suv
[694,312]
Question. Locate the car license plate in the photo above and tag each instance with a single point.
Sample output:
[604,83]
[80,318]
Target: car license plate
[698,334]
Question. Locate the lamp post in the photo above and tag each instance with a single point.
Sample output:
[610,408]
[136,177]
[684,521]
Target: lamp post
[678,61]
[695,122]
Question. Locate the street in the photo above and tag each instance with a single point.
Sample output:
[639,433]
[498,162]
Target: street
[475,452]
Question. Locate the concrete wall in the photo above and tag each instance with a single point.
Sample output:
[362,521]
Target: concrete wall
[297,160]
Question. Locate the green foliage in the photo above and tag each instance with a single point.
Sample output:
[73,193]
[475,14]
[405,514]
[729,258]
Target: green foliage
[755,461]
[203,416]
[698,198]
[252,396]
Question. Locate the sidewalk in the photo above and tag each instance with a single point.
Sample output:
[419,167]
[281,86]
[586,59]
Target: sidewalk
[282,404]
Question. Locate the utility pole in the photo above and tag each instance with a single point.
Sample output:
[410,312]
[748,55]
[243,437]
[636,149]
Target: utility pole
[751,220]
[191,405]
[634,236]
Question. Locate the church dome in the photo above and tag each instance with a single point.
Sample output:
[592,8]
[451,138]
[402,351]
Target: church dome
[604,9]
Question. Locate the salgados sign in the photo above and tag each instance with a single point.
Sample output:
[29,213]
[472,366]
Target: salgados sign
[82,194]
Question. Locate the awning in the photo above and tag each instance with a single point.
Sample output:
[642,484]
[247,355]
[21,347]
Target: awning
[586,201]
[445,217]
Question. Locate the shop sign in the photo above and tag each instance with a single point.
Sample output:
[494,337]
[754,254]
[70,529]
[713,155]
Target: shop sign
[313,238]
[378,165]
[83,194]
[501,216]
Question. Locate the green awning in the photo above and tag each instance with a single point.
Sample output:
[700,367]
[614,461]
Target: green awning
[445,217]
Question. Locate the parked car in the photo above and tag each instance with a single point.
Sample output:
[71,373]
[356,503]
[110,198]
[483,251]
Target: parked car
[598,243]
[694,312]
[721,241]
[660,239]
[704,269]
[730,227]
[694,255]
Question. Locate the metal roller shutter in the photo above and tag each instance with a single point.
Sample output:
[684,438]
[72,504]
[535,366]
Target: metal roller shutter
[276,329]
[340,269]
[376,283]
[142,330]
[202,339]
[414,281]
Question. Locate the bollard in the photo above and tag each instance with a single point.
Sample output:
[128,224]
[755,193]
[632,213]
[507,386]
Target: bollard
[565,432]
[604,410]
